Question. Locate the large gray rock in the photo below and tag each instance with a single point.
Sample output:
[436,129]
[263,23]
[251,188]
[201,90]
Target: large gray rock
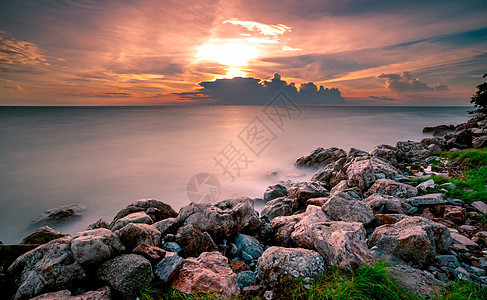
[343,207]
[126,274]
[222,219]
[193,241]
[280,207]
[360,173]
[480,206]
[134,234]
[353,153]
[387,152]
[95,246]
[392,188]
[166,226]
[275,191]
[209,273]
[300,228]
[278,265]
[156,209]
[137,217]
[428,199]
[320,157]
[59,215]
[427,186]
[480,142]
[382,166]
[414,239]
[418,282]
[166,268]
[47,267]
[249,245]
[43,235]
[385,204]
[100,223]
[284,227]
[325,174]
[412,149]
[305,190]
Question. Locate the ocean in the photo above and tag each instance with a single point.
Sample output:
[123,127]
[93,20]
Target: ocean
[107,157]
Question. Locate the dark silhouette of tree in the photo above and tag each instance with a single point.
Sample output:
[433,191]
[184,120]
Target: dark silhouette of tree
[480,97]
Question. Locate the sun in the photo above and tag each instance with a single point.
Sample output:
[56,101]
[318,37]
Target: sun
[232,54]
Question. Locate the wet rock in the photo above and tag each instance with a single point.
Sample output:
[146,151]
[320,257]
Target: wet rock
[103,293]
[59,214]
[387,204]
[150,252]
[360,173]
[420,283]
[207,273]
[278,265]
[137,217]
[223,219]
[320,157]
[342,207]
[249,245]
[305,190]
[427,186]
[280,207]
[158,210]
[167,268]
[428,199]
[43,235]
[193,241]
[275,191]
[480,206]
[126,274]
[134,234]
[392,188]
[94,246]
[413,239]
[245,279]
[172,246]
[101,223]
[47,267]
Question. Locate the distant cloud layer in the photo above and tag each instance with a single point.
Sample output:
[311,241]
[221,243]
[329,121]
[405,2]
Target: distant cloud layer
[404,82]
[15,52]
[252,91]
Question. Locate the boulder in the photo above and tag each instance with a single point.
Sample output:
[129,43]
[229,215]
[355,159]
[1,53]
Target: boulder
[137,217]
[420,283]
[95,246]
[360,173]
[43,235]
[386,152]
[305,190]
[382,219]
[47,267]
[343,207]
[480,206]
[101,223]
[222,219]
[412,149]
[127,274]
[172,246]
[353,153]
[245,279]
[427,186]
[300,231]
[414,239]
[157,209]
[480,142]
[320,157]
[428,199]
[275,191]
[284,227]
[193,241]
[463,137]
[150,252]
[278,265]
[59,215]
[279,207]
[209,273]
[392,188]
[103,293]
[463,240]
[325,174]
[385,204]
[166,268]
[384,168]
[248,245]
[166,226]
[134,234]
[455,214]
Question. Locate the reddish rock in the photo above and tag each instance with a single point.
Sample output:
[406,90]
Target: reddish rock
[445,222]
[316,201]
[103,293]
[392,188]
[461,239]
[455,214]
[382,219]
[481,238]
[238,266]
[460,248]
[207,273]
[151,252]
[467,229]
[427,214]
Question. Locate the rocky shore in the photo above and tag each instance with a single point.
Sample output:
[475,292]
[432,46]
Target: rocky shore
[357,208]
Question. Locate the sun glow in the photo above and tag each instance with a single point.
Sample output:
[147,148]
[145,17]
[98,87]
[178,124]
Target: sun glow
[232,73]
[232,54]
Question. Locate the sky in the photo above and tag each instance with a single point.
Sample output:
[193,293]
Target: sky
[148,52]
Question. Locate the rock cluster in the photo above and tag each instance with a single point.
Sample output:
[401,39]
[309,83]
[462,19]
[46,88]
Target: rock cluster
[357,207]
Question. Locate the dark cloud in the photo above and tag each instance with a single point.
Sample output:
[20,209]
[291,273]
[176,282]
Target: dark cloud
[404,82]
[382,98]
[252,91]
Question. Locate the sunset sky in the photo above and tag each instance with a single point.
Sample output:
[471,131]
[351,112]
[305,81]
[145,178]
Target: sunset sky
[151,52]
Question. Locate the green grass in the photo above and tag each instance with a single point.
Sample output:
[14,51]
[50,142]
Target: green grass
[473,158]
[463,290]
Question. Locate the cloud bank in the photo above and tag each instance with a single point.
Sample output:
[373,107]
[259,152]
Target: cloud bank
[404,82]
[252,91]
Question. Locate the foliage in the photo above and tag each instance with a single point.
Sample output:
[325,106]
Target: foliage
[480,97]
[463,290]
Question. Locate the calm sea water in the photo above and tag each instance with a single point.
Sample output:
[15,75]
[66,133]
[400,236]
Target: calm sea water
[105,158]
